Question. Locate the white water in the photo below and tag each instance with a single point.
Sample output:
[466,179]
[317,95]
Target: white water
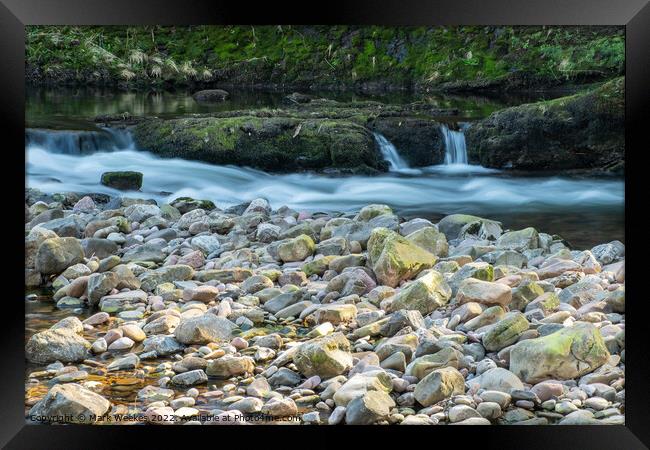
[455,156]
[431,189]
[390,154]
[79,142]
[455,149]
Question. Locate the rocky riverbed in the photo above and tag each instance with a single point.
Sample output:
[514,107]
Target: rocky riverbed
[251,314]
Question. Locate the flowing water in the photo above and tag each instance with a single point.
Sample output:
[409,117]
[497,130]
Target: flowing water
[395,162]
[65,151]
[585,211]
[455,149]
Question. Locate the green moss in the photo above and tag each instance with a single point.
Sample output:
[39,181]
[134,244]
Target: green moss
[269,143]
[126,180]
[427,56]
[317,266]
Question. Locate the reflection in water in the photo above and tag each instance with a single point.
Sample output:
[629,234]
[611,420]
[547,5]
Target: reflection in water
[71,107]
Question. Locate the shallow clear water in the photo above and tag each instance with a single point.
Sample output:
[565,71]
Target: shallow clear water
[72,107]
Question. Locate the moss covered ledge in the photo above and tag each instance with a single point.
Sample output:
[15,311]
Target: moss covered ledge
[581,131]
[274,144]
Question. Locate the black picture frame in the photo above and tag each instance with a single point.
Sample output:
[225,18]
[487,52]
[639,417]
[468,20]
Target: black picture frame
[633,14]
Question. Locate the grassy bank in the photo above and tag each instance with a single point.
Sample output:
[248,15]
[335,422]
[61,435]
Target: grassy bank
[334,57]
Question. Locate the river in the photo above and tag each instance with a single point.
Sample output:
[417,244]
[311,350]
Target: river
[584,210]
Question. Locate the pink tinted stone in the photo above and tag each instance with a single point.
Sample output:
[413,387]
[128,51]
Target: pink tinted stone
[194,259]
[239,343]
[112,335]
[547,389]
[85,204]
[122,343]
[203,294]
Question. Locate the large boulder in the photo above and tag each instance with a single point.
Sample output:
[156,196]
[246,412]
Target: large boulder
[425,294]
[393,258]
[326,357]
[566,354]
[439,385]
[506,331]
[368,409]
[359,384]
[73,401]
[204,329]
[124,181]
[419,139]
[581,131]
[58,344]
[296,249]
[431,240]
[267,143]
[54,255]
[484,292]
[33,241]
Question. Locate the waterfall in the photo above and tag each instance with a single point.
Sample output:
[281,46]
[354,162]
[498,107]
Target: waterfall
[455,149]
[79,142]
[389,152]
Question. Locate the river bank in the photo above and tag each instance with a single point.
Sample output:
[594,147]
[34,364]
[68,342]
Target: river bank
[252,311]
[333,58]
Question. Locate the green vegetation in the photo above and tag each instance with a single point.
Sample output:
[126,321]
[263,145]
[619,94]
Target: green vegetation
[584,130]
[324,56]
[272,144]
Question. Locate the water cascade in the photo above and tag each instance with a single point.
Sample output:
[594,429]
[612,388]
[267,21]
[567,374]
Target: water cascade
[79,142]
[455,149]
[389,152]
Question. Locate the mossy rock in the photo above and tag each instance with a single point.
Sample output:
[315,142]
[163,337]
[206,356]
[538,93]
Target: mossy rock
[581,131]
[275,144]
[124,181]
[566,354]
[425,294]
[186,204]
[296,249]
[525,293]
[431,240]
[318,266]
[393,258]
[326,357]
[505,332]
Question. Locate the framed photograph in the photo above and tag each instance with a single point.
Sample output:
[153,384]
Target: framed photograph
[337,218]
